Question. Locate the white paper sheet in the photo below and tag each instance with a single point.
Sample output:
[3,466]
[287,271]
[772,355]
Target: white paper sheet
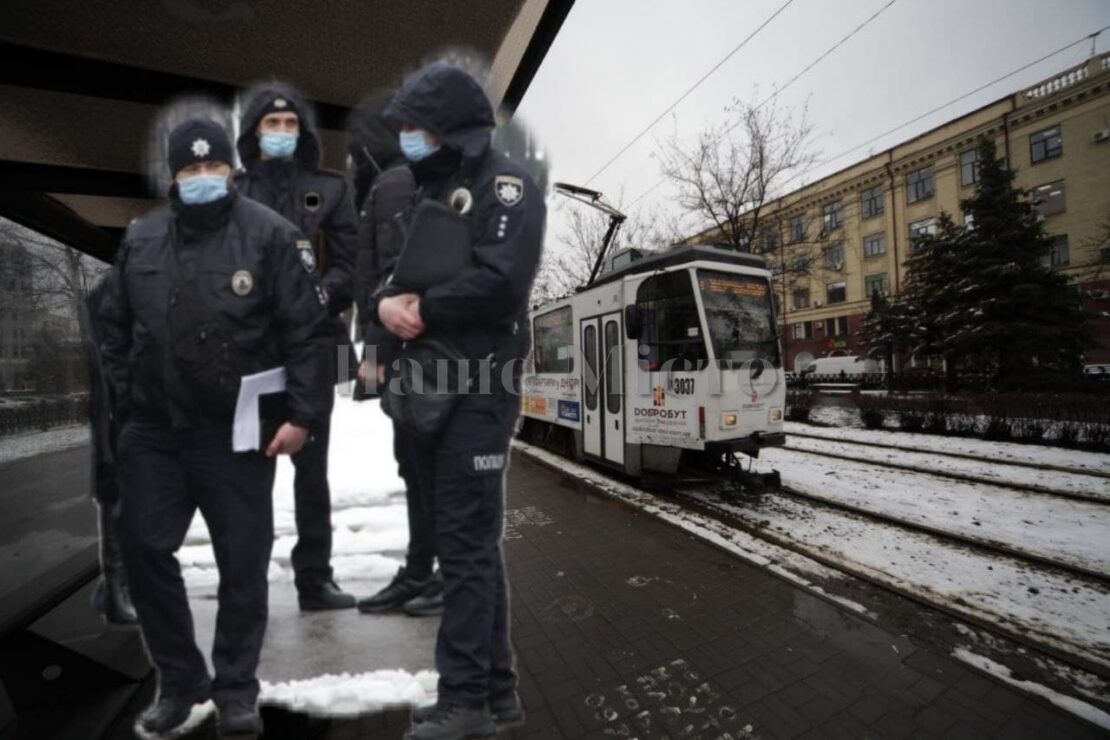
[247,427]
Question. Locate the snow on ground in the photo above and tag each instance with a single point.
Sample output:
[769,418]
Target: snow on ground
[990,471]
[347,695]
[369,517]
[1066,612]
[1077,460]
[18,446]
[1062,530]
[1092,714]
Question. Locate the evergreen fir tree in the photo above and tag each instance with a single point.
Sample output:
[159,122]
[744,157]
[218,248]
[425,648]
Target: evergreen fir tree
[1020,312]
[984,297]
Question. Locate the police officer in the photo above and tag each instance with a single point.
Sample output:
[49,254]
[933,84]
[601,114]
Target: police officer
[204,291]
[281,153]
[112,597]
[446,122]
[383,177]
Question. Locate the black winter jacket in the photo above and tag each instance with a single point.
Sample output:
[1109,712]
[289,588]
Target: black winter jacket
[489,299]
[317,201]
[201,295]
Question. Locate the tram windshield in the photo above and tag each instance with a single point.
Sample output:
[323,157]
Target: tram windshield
[739,317]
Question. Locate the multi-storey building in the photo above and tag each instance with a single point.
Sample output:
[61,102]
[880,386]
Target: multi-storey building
[849,233]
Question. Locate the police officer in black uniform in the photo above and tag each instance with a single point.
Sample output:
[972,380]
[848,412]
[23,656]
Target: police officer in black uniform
[446,121]
[112,597]
[281,153]
[205,291]
[382,176]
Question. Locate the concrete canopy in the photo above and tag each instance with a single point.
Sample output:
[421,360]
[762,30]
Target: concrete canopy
[83,82]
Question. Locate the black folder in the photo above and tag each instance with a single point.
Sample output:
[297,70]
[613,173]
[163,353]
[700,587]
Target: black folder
[436,248]
[273,411]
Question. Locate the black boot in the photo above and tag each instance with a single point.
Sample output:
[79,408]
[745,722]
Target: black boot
[323,596]
[430,601]
[505,710]
[238,719]
[113,597]
[453,722]
[170,711]
[400,590]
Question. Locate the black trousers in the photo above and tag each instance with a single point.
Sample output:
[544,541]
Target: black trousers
[468,461]
[311,556]
[420,499]
[165,475]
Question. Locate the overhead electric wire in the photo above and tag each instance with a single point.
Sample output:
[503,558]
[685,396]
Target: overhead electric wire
[917,118]
[686,94]
[773,95]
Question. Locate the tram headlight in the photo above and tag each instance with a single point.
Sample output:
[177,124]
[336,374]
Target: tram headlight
[729,419]
[775,415]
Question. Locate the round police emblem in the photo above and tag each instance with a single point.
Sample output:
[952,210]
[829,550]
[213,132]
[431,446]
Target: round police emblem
[308,257]
[201,147]
[312,201]
[280,102]
[508,189]
[242,282]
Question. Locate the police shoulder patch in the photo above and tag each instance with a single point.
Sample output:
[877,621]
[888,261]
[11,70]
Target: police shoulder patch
[308,257]
[509,189]
[242,282]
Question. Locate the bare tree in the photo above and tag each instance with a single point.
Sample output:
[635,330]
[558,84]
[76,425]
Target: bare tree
[568,261]
[728,174]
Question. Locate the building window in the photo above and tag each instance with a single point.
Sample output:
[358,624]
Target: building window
[1058,254]
[924,227]
[770,239]
[874,245]
[800,264]
[797,229]
[834,256]
[969,167]
[919,185]
[1046,144]
[871,202]
[802,330]
[1049,199]
[836,327]
[801,298]
[877,282]
[553,335]
[833,216]
[835,292]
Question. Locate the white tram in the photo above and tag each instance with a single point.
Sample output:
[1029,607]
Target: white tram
[670,359]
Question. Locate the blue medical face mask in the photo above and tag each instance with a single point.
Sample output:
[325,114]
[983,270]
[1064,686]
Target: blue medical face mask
[202,189]
[278,145]
[414,145]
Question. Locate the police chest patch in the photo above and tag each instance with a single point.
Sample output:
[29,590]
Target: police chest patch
[322,295]
[509,189]
[242,282]
[308,257]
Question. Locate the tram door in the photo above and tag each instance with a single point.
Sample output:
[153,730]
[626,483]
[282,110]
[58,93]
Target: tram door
[603,392]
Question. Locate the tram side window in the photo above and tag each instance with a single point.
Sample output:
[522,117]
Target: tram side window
[672,333]
[589,354]
[553,335]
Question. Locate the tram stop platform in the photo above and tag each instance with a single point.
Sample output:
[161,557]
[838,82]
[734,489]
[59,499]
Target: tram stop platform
[626,626]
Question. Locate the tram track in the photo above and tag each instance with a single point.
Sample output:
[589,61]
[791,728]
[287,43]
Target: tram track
[1039,466]
[994,546]
[713,502]
[747,519]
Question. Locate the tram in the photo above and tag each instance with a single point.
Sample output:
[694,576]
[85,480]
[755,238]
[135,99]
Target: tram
[661,363]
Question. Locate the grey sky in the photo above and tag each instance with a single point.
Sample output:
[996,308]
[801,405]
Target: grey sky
[617,64]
